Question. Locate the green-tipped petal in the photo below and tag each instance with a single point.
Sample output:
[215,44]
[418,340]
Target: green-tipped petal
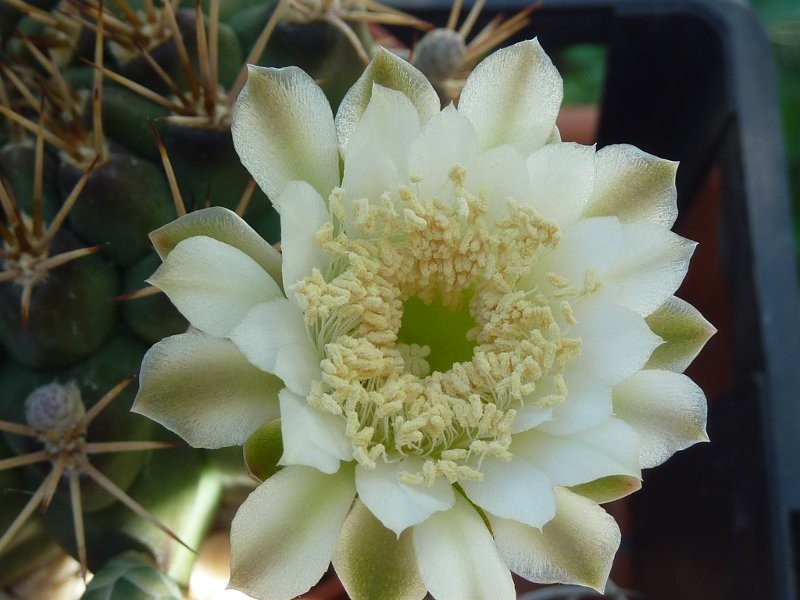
[513,97]
[577,546]
[684,330]
[608,489]
[373,563]
[634,186]
[457,558]
[283,130]
[214,285]
[667,410]
[221,224]
[203,389]
[283,537]
[389,71]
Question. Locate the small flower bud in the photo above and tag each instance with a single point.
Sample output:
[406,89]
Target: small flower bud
[54,407]
[439,54]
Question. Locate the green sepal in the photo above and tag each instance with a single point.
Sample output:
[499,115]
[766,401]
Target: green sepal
[684,330]
[263,449]
[607,489]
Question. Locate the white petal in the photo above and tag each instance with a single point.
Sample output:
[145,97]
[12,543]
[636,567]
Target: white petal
[376,159]
[561,181]
[284,534]
[588,403]
[513,97]
[457,557]
[214,285]
[310,436]
[530,416]
[221,224]
[396,504]
[651,265]
[273,337]
[392,72]
[203,389]
[303,212]
[283,130]
[634,186]
[498,173]
[667,410]
[577,546]
[611,448]
[685,332]
[513,489]
[373,563]
[616,342]
[446,140]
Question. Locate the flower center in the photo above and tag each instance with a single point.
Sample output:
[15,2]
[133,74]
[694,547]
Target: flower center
[441,329]
[427,347]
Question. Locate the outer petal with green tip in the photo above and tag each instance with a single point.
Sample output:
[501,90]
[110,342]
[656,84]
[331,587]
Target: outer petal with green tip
[667,410]
[634,186]
[684,330]
[221,224]
[513,97]
[373,563]
[457,558]
[203,389]
[392,72]
[577,546]
[284,535]
[283,131]
[212,284]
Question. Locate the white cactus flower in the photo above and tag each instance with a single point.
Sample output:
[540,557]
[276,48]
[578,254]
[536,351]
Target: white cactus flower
[458,338]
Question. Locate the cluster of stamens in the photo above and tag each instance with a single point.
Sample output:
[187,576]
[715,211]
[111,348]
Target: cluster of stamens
[405,247]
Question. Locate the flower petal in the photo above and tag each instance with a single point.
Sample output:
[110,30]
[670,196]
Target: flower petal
[588,403]
[446,140]
[457,558]
[616,342]
[499,174]
[373,163]
[685,332]
[513,97]
[214,285]
[373,563]
[392,72]
[513,489]
[282,127]
[203,389]
[396,504]
[311,436]
[634,186]
[221,224]
[667,410]
[651,265]
[561,181]
[273,337]
[284,534]
[304,212]
[577,546]
[611,448]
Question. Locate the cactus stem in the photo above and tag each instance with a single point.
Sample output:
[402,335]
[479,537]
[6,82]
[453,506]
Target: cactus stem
[133,446]
[62,213]
[142,293]
[164,76]
[256,51]
[25,459]
[244,201]
[67,450]
[77,520]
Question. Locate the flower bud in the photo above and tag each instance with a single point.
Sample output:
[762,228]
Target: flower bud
[54,407]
